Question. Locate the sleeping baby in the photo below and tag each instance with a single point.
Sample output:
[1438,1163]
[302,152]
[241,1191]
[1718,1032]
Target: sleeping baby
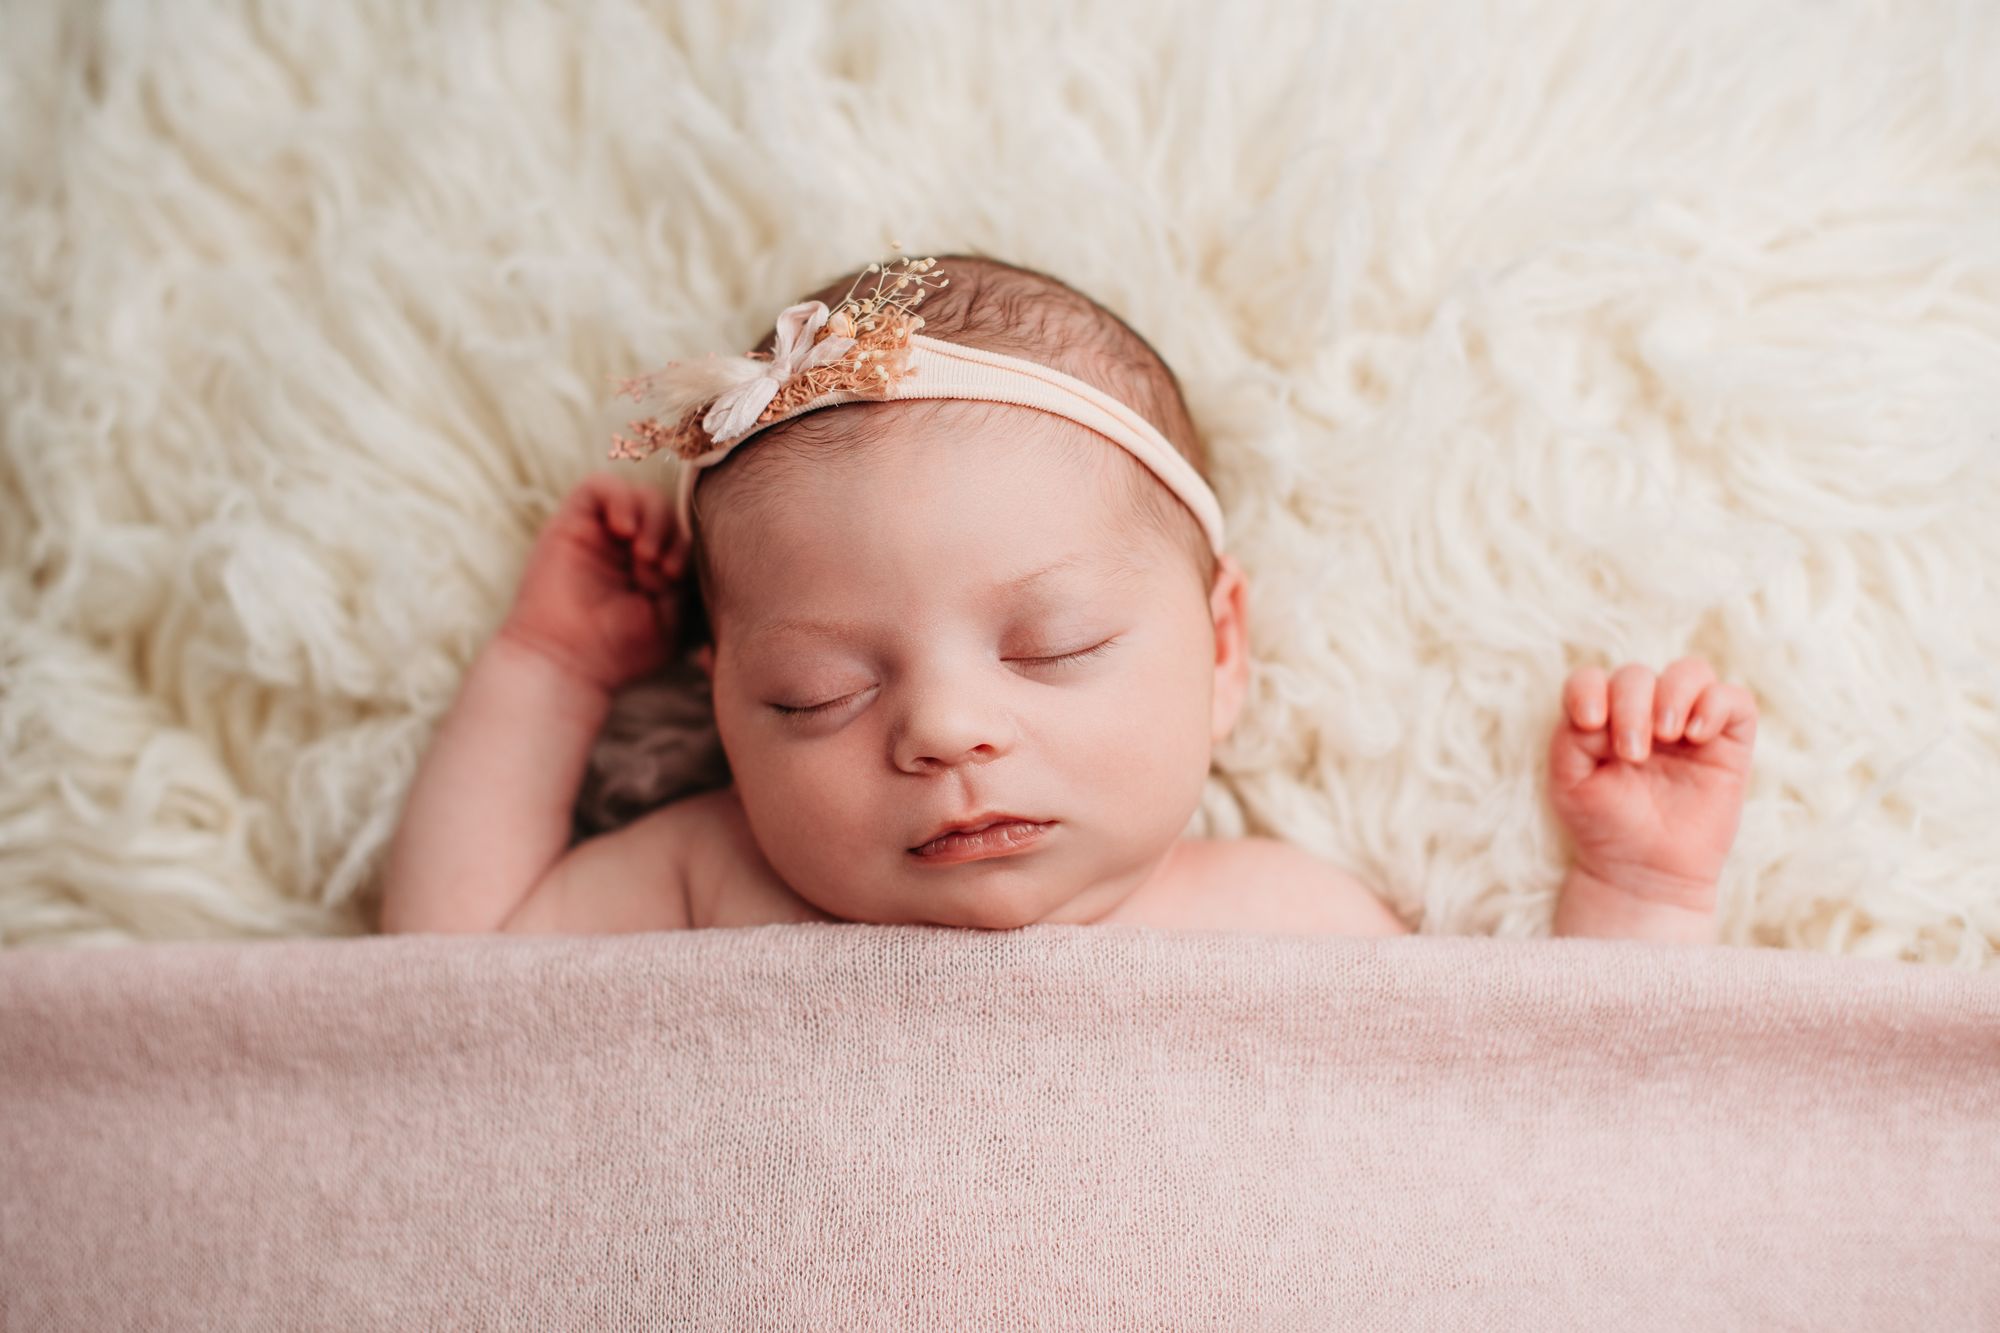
[971,635]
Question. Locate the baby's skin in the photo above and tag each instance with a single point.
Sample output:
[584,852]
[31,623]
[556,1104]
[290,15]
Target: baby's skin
[907,645]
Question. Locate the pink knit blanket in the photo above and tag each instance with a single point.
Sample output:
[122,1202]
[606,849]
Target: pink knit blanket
[831,1126]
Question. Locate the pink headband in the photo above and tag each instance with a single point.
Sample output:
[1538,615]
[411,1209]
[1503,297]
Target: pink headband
[868,350]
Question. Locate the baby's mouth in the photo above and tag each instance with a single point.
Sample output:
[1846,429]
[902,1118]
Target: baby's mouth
[1001,836]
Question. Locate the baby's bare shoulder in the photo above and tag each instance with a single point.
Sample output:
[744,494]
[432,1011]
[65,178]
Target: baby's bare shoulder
[690,864]
[630,879]
[1270,885]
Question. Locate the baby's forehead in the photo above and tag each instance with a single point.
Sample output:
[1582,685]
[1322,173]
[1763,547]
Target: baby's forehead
[895,447]
[948,494]
[896,526]
[963,478]
[1036,586]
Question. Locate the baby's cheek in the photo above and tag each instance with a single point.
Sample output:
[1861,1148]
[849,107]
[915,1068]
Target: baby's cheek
[1152,730]
[813,789]
[1184,724]
[810,829]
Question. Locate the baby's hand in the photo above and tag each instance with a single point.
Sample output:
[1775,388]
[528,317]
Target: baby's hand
[600,594]
[1656,817]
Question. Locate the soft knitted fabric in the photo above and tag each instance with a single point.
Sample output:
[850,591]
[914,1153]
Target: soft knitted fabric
[837,1126]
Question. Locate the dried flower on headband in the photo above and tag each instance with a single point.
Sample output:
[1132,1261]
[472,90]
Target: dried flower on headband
[861,345]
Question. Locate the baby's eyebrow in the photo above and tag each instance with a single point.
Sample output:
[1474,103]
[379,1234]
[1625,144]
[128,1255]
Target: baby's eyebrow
[1096,563]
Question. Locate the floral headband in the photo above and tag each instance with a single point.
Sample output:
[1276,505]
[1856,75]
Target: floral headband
[867,349]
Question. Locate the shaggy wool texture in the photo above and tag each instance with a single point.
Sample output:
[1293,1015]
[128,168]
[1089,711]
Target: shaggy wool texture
[1525,337]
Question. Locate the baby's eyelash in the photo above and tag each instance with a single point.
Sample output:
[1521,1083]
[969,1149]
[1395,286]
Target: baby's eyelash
[1070,657]
[816,708]
[1060,660]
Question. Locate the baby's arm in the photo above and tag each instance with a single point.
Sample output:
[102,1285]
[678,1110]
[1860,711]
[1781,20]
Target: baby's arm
[488,814]
[489,811]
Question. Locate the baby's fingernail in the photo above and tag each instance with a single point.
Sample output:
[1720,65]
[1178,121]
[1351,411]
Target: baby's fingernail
[1667,722]
[1630,745]
[1695,728]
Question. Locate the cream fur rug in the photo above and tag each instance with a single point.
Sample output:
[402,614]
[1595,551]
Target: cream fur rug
[1526,336]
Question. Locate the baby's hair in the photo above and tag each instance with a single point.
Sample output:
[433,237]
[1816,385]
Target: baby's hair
[998,307]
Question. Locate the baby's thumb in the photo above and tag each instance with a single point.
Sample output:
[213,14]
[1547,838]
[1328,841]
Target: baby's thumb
[1574,754]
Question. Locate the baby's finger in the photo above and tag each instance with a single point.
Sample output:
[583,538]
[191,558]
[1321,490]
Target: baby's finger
[1632,711]
[1721,708]
[615,503]
[1574,754]
[1583,699]
[1673,699]
[1706,718]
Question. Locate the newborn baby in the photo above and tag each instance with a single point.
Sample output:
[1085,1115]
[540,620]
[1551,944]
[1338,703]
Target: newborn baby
[969,657]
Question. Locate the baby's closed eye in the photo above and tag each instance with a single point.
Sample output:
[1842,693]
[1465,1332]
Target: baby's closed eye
[1078,655]
[1051,661]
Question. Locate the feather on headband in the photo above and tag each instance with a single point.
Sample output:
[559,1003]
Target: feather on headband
[861,346]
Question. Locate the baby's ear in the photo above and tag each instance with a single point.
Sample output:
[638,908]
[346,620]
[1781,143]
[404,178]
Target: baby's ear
[1227,605]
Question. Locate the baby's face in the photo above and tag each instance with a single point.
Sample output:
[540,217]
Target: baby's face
[976,626]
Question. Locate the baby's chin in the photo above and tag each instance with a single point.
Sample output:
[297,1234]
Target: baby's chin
[986,907]
[979,895]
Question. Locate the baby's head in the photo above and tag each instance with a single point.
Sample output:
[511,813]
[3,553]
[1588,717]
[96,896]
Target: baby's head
[921,611]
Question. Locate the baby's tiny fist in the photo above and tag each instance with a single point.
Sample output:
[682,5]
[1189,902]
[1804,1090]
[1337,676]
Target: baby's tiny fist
[585,595]
[1647,808]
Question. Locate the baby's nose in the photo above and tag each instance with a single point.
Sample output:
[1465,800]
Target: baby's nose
[978,754]
[946,732]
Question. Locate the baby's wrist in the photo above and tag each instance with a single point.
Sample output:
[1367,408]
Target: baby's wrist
[1620,908]
[574,688]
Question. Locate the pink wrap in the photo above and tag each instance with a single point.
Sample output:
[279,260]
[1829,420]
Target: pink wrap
[820,1127]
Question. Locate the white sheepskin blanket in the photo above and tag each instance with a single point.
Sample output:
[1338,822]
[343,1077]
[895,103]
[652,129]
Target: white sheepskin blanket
[1526,336]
